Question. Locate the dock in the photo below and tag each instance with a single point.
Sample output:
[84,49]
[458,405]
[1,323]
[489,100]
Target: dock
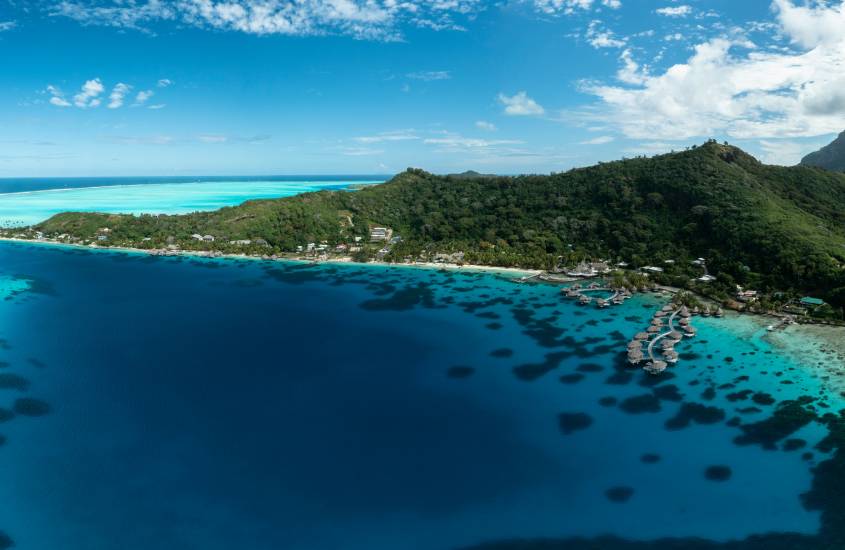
[663,338]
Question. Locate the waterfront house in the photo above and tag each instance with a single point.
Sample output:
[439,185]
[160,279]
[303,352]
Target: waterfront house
[380,234]
[196,237]
[811,303]
[653,269]
[706,278]
[208,238]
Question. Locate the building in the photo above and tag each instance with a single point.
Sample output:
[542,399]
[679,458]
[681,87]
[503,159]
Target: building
[653,269]
[380,234]
[196,237]
[808,301]
[746,295]
[706,278]
[588,269]
[208,238]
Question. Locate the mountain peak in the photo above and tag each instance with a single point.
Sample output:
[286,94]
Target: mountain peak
[831,156]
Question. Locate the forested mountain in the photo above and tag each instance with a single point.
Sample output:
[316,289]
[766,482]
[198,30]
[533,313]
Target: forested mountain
[763,226]
[831,156]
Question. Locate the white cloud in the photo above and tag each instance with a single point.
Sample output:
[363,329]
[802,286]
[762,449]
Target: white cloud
[117,95]
[397,135]
[88,96]
[428,76]
[157,106]
[143,96]
[520,105]
[600,140]
[568,7]
[674,11]
[57,97]
[631,72]
[486,126]
[454,143]
[367,19]
[7,25]
[164,83]
[600,38]
[783,152]
[730,87]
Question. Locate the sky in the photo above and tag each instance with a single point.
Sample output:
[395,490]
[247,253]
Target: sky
[252,87]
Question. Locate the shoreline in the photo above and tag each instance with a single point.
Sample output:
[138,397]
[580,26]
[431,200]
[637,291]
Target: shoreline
[515,271]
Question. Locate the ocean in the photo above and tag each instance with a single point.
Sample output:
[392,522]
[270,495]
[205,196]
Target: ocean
[30,201]
[180,402]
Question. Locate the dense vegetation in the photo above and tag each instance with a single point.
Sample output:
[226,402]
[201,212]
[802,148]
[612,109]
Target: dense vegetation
[760,226]
[831,156]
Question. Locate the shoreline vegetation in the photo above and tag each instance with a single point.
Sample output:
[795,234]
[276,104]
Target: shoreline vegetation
[711,220]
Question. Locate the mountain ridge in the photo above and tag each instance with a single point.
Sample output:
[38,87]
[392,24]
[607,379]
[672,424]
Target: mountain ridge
[760,226]
[830,157]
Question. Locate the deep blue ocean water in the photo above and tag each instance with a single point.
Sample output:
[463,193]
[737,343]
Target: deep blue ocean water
[219,404]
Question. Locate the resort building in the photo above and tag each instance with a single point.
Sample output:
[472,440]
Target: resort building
[380,234]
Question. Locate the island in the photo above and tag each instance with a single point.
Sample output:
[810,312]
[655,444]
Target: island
[710,219]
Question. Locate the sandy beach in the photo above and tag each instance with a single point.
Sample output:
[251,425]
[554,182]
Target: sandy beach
[510,271]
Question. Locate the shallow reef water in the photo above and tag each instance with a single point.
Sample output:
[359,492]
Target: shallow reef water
[263,405]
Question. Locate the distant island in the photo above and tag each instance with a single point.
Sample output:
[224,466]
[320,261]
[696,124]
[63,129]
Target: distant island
[711,219]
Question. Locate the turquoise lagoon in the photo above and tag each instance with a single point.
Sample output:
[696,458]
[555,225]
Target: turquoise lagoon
[27,202]
[193,403]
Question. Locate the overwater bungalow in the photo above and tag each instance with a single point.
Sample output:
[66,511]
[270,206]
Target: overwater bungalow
[667,344]
[655,367]
[584,300]
[671,356]
[601,303]
[675,335]
[668,308]
[641,336]
[635,344]
[683,322]
[719,312]
[635,356]
[653,329]
[657,322]
[660,314]
[684,312]
[690,331]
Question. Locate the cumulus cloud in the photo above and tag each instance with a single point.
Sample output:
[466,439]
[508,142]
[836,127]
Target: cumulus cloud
[602,38]
[728,86]
[7,25]
[164,83]
[520,105]
[568,7]
[117,95]
[486,126]
[88,96]
[674,11]
[142,97]
[367,19]
[57,97]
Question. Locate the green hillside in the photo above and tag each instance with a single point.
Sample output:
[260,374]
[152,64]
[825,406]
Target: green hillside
[763,226]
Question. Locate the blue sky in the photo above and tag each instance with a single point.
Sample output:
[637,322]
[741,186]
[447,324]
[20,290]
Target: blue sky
[161,87]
